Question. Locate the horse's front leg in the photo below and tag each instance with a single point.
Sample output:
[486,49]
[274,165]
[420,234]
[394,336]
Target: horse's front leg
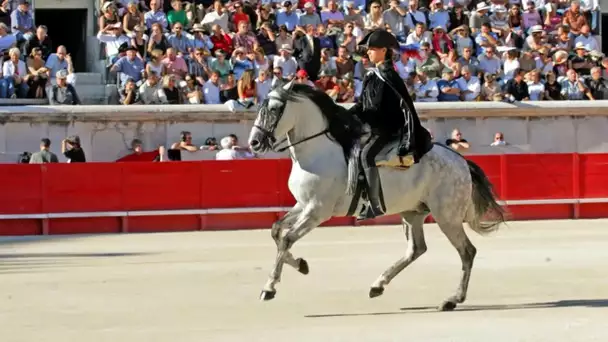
[306,220]
[286,222]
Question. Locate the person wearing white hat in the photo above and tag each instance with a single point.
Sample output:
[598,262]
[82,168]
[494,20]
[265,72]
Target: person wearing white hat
[285,60]
[479,17]
[500,21]
[581,61]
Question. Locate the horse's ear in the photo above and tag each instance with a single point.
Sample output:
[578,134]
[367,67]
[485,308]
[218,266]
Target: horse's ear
[289,85]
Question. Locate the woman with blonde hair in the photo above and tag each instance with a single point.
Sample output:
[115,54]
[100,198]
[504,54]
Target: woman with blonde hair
[170,93]
[155,64]
[261,63]
[139,41]
[37,74]
[246,88]
[109,15]
[133,17]
[14,73]
[192,90]
[374,19]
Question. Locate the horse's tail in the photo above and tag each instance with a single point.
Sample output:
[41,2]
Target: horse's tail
[484,203]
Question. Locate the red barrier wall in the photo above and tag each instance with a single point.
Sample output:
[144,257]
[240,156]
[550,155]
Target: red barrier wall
[117,188]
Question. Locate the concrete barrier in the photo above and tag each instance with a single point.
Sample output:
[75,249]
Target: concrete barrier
[106,131]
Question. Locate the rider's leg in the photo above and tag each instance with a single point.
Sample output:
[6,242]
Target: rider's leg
[376,205]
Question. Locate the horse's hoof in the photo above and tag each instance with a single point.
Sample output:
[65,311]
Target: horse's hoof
[267,295]
[376,292]
[302,266]
[447,306]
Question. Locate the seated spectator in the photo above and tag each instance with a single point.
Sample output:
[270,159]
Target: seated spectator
[467,59]
[211,89]
[22,22]
[229,89]
[426,90]
[309,17]
[40,40]
[240,62]
[219,16]
[448,87]
[155,16]
[38,76]
[139,40]
[347,39]
[109,15]
[155,64]
[581,62]
[597,85]
[7,40]
[327,64]
[489,63]
[157,40]
[486,39]
[61,60]
[149,90]
[14,76]
[45,155]
[286,62]
[491,90]
[574,18]
[200,39]
[531,17]
[419,35]
[286,16]
[283,39]
[192,91]
[412,16]
[457,142]
[331,15]
[179,41]
[428,63]
[246,88]
[277,78]
[438,16]
[129,94]
[62,93]
[510,64]
[586,39]
[302,78]
[231,151]
[375,18]
[245,39]
[177,14]
[113,37]
[458,20]
[573,87]
[364,65]
[478,17]
[344,64]
[133,20]
[170,93]
[326,84]
[261,63]
[516,89]
[175,65]
[553,90]
[198,66]
[441,42]
[470,87]
[346,93]
[221,40]
[536,88]
[130,67]
[499,140]
[263,86]
[71,149]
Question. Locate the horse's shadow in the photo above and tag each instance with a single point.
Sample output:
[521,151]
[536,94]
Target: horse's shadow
[588,303]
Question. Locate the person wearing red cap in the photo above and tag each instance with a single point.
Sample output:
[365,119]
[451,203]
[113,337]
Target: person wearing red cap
[302,77]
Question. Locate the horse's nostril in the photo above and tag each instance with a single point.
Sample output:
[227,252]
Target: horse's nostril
[254,143]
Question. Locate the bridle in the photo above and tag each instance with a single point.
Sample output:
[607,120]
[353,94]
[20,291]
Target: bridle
[269,133]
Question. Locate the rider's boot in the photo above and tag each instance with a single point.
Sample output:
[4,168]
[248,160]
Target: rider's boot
[373,208]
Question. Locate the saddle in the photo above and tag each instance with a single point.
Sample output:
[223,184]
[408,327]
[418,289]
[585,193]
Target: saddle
[388,157]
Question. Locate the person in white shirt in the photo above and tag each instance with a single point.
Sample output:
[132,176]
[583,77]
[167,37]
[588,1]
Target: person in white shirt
[426,90]
[469,85]
[13,82]
[499,140]
[405,66]
[536,88]
[419,35]
[231,151]
[211,89]
[113,37]
[489,63]
[262,86]
[587,39]
[286,62]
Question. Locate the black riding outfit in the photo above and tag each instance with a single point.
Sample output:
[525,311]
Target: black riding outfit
[385,105]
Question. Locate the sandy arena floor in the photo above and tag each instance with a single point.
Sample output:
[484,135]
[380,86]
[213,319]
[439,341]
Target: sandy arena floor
[532,281]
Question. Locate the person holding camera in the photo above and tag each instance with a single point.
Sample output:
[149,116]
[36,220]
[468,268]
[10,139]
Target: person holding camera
[71,149]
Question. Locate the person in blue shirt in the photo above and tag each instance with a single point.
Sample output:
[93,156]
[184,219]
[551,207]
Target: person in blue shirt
[287,16]
[448,87]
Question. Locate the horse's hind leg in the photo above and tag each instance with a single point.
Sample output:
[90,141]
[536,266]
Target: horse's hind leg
[416,246]
[286,221]
[454,231]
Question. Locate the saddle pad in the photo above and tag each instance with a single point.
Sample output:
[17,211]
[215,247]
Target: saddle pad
[387,157]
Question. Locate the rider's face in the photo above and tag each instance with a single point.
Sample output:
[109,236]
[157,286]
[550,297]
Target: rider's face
[376,55]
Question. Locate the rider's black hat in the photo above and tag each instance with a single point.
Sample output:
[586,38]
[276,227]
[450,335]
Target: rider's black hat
[379,38]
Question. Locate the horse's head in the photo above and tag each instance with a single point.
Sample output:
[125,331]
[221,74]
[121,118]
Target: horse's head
[273,120]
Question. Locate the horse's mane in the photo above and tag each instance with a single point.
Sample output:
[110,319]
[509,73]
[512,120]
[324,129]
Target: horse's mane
[344,128]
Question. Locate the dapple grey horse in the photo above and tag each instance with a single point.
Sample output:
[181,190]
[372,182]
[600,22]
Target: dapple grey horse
[320,135]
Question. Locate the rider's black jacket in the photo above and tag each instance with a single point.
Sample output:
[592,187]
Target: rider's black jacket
[380,107]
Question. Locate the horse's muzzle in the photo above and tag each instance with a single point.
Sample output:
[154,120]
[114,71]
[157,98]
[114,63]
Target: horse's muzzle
[259,141]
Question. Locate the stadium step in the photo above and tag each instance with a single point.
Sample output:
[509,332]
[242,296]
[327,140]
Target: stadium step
[86,78]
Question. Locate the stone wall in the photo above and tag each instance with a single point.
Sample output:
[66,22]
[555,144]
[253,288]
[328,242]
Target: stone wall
[106,131]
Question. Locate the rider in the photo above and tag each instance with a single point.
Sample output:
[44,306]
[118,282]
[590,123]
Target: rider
[386,106]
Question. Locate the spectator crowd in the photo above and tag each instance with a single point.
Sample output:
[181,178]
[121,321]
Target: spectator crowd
[177,52]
